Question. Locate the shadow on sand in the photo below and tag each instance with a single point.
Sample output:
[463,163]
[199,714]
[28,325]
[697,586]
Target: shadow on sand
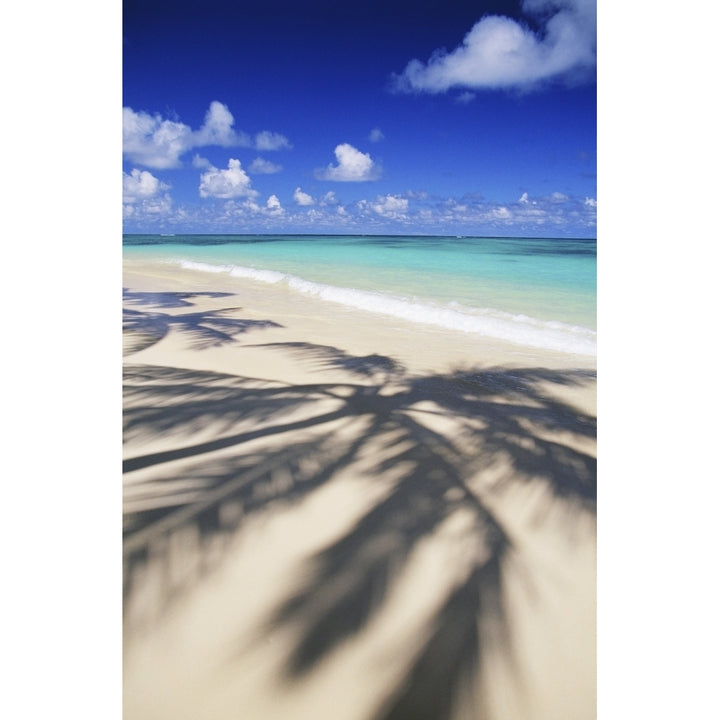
[497,414]
[143,328]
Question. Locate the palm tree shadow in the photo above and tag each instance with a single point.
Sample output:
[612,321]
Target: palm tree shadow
[498,413]
[329,357]
[167,299]
[144,328]
[455,647]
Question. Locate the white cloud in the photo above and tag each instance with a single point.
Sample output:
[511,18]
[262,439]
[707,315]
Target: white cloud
[315,215]
[200,162]
[590,202]
[273,206]
[158,143]
[393,207]
[527,215]
[151,141]
[302,198]
[501,213]
[218,128]
[470,214]
[376,135]
[500,52]
[140,185]
[329,198]
[233,210]
[160,205]
[454,206]
[267,140]
[260,166]
[352,166]
[231,183]
[144,199]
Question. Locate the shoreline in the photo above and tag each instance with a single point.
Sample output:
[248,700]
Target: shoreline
[336,496]
[278,299]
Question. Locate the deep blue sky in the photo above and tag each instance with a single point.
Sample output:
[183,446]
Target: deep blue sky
[305,117]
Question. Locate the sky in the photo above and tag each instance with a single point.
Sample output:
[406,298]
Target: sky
[326,116]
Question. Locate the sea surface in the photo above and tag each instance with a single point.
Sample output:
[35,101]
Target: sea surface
[533,292]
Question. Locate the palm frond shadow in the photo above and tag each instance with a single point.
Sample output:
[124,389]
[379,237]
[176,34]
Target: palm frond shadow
[498,414]
[329,357]
[167,299]
[144,328]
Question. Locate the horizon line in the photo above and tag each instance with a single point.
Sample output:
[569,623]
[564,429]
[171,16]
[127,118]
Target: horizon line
[446,235]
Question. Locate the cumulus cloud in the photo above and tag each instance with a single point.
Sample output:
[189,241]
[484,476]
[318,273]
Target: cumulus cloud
[151,141]
[218,128]
[271,141]
[501,213]
[140,185]
[451,205]
[158,143]
[551,214]
[352,166]
[231,183]
[526,215]
[393,207]
[144,199]
[154,209]
[260,166]
[302,198]
[500,52]
[273,206]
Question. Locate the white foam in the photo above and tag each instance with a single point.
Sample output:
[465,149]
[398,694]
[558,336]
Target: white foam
[520,329]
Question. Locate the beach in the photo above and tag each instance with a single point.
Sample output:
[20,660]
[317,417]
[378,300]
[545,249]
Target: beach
[331,513]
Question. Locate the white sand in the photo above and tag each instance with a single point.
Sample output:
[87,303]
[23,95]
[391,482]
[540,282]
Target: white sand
[272,447]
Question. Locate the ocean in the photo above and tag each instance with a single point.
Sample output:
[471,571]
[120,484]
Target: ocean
[535,292]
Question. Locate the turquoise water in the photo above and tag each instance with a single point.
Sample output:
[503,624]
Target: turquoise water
[538,292]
